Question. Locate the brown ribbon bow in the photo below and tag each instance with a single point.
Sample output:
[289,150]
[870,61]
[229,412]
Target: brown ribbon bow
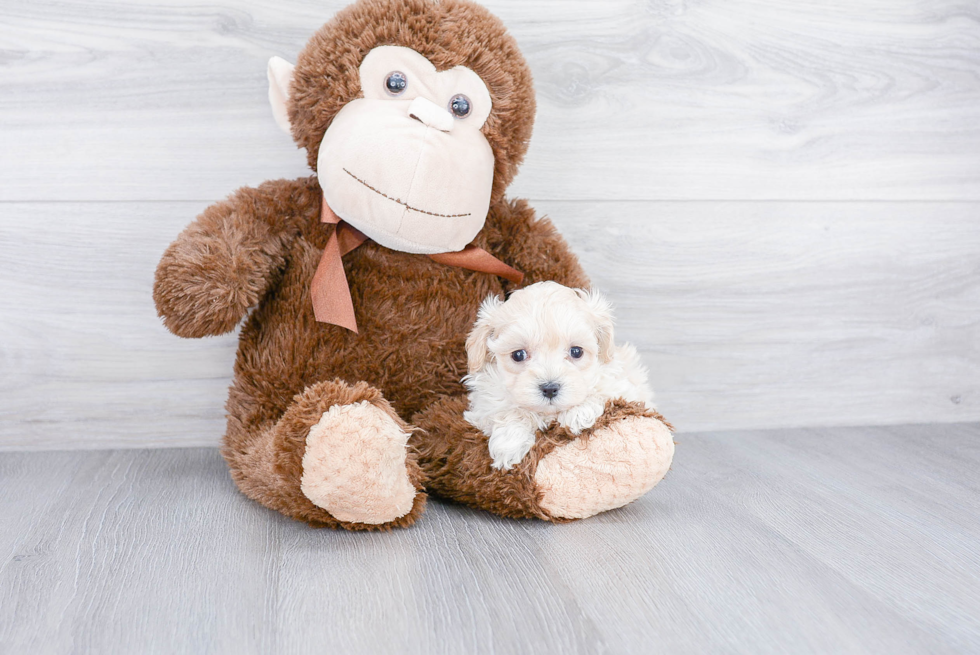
[331,293]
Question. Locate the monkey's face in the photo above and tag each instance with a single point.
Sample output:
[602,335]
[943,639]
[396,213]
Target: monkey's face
[415,114]
[407,164]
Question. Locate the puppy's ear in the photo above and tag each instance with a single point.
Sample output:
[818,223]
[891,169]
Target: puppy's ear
[602,320]
[477,352]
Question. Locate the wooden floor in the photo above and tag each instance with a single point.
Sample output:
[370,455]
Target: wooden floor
[792,541]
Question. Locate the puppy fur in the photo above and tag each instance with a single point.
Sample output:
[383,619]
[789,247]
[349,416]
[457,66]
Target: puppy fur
[545,355]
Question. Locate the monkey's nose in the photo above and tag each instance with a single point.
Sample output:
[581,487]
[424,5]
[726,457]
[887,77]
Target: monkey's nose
[550,389]
[431,114]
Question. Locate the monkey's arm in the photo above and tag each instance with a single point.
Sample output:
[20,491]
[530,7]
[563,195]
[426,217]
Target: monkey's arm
[532,245]
[229,257]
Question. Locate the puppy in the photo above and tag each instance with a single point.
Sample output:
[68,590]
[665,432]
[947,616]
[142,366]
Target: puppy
[545,355]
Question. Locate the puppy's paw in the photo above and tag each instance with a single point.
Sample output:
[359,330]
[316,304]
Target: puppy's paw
[509,444]
[581,417]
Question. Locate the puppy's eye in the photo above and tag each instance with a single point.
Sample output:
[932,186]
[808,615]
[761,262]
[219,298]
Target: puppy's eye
[576,352]
[519,355]
[396,83]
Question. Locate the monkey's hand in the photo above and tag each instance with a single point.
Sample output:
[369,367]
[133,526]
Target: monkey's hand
[218,267]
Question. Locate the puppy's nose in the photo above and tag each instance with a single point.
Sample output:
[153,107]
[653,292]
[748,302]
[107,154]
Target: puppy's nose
[550,389]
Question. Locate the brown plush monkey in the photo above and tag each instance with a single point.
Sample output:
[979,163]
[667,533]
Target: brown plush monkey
[415,115]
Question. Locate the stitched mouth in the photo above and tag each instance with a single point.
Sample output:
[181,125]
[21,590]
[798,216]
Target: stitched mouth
[403,204]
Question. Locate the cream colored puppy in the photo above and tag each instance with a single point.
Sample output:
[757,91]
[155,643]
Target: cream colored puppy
[544,355]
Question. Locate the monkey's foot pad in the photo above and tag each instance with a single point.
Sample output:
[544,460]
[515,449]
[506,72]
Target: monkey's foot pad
[354,466]
[616,465]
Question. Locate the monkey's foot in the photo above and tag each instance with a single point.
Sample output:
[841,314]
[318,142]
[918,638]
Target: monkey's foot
[618,463]
[563,477]
[355,465]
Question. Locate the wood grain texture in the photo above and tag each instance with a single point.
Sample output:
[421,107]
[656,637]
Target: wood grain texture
[793,314]
[844,540]
[84,361]
[120,121]
[748,314]
[661,100]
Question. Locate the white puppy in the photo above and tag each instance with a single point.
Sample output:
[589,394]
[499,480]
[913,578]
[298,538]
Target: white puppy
[544,355]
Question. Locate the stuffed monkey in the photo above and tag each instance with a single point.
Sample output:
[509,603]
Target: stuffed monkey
[358,285]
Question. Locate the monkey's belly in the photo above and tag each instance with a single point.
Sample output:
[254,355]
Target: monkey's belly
[413,316]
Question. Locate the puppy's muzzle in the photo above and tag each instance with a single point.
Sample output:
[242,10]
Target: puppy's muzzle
[550,389]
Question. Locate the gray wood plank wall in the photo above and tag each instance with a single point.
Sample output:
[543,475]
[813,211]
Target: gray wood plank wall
[782,199]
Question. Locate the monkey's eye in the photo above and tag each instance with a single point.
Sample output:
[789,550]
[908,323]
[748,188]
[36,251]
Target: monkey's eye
[459,105]
[396,83]
[519,355]
[576,352]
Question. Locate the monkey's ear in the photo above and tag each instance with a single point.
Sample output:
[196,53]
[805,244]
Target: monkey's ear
[280,75]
